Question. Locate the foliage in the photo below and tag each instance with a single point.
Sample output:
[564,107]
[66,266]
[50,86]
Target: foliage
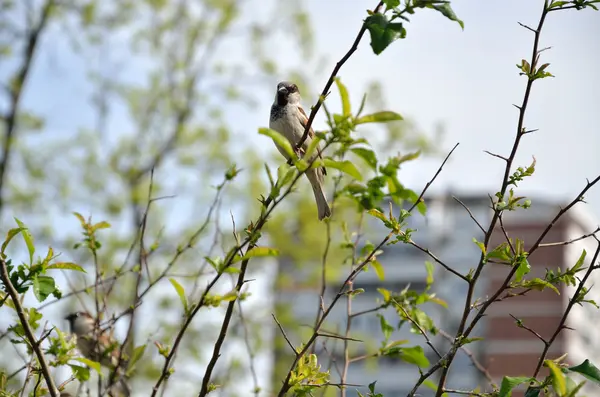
[207,267]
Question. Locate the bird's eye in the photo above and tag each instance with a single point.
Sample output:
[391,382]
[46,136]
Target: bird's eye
[294,88]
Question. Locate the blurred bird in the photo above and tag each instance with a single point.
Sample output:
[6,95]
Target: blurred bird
[97,345]
[289,119]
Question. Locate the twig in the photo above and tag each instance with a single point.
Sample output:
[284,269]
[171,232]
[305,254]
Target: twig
[572,240]
[508,240]
[14,295]
[436,259]
[471,356]
[496,155]
[531,330]
[432,179]
[284,334]
[334,73]
[470,213]
[417,326]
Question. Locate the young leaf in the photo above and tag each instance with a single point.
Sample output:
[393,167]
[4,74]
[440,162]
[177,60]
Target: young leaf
[42,287]
[379,117]
[509,383]
[588,370]
[415,355]
[368,155]
[137,354]
[558,378]
[344,166]
[9,236]
[344,97]
[447,11]
[383,32]
[28,239]
[92,364]
[430,269]
[180,292]
[80,373]
[523,268]
[279,140]
[378,269]
[66,266]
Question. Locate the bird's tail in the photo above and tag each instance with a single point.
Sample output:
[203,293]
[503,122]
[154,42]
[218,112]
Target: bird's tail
[315,177]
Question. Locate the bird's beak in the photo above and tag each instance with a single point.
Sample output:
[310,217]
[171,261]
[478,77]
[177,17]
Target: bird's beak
[282,91]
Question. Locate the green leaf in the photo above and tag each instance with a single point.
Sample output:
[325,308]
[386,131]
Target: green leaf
[386,328]
[9,236]
[415,355]
[368,155]
[509,383]
[137,354]
[447,11]
[523,268]
[430,269]
[389,4]
[379,117]
[260,252]
[383,32]
[376,265]
[180,292]
[539,285]
[344,166]
[80,373]
[344,97]
[558,378]
[480,245]
[42,287]
[66,266]
[588,370]
[279,140]
[101,225]
[92,364]
[28,239]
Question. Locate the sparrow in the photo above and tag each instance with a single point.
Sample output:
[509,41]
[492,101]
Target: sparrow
[289,119]
[97,345]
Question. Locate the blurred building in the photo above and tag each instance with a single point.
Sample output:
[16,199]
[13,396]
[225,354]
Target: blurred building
[448,231]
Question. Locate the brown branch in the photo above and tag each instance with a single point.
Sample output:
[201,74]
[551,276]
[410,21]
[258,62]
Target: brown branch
[470,214]
[520,324]
[418,326]
[480,367]
[572,302]
[224,327]
[505,180]
[14,295]
[334,73]
[496,155]
[284,334]
[16,92]
[436,259]
[432,179]
[570,241]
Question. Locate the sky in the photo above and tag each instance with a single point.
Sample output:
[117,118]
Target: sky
[465,80]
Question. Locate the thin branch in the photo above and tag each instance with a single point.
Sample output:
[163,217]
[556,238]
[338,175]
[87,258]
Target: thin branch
[480,367]
[432,179]
[470,213]
[334,73]
[531,330]
[572,240]
[284,334]
[496,155]
[14,295]
[418,326]
[223,333]
[508,240]
[436,259]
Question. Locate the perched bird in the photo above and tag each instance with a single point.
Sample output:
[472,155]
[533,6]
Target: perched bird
[97,345]
[289,119]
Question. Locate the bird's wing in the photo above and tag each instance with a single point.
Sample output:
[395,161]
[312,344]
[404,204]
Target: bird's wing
[311,133]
